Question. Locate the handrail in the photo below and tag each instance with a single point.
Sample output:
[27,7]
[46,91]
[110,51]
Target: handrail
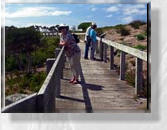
[49,76]
[51,86]
[135,52]
[43,100]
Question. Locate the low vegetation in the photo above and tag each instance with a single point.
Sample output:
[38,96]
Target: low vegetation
[26,52]
[140,37]
[140,47]
[136,24]
[24,83]
[123,30]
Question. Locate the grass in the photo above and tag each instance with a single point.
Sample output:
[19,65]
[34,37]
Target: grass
[24,83]
[136,24]
[140,47]
[123,31]
[130,77]
[140,37]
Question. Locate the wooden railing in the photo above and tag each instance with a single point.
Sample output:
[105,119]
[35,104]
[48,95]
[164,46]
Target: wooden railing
[44,100]
[51,85]
[140,57]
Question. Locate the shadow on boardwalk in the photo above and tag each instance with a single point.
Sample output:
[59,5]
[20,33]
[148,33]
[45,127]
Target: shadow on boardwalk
[100,90]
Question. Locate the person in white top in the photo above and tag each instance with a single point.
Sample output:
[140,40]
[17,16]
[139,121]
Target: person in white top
[88,40]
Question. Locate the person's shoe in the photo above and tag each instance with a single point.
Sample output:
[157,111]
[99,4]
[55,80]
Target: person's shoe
[72,80]
[75,82]
[93,59]
[86,58]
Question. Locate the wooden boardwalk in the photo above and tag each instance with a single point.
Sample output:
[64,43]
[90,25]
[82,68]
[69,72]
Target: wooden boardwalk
[100,90]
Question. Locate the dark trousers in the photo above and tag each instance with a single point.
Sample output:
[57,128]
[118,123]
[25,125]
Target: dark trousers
[87,45]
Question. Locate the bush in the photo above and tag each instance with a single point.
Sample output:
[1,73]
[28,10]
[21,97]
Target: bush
[20,84]
[136,24]
[10,63]
[119,26]
[130,77]
[140,37]
[99,31]
[123,31]
[140,47]
[84,25]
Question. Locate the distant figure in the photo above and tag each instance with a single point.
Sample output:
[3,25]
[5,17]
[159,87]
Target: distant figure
[88,40]
[72,52]
[93,35]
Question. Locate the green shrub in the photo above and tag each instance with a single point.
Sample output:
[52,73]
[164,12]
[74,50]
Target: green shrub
[145,33]
[140,47]
[119,26]
[130,77]
[31,82]
[99,31]
[140,37]
[136,24]
[10,63]
[123,31]
[84,25]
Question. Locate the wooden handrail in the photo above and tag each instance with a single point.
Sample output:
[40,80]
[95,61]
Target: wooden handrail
[52,71]
[51,86]
[135,52]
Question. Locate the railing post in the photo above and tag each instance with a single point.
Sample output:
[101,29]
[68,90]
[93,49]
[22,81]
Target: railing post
[57,50]
[49,64]
[62,63]
[58,74]
[101,49]
[139,76]
[111,58]
[57,82]
[122,66]
[105,52]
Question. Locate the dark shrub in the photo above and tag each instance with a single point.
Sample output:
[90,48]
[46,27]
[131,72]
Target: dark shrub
[130,77]
[140,47]
[123,31]
[140,37]
[136,24]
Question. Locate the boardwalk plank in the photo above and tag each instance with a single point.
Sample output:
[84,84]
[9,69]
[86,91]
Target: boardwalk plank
[101,92]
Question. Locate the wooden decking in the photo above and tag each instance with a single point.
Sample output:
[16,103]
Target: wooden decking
[100,90]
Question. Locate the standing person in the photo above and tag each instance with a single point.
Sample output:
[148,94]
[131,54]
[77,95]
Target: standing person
[88,40]
[93,41]
[72,52]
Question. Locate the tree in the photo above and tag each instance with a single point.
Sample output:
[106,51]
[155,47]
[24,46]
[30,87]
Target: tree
[22,41]
[84,25]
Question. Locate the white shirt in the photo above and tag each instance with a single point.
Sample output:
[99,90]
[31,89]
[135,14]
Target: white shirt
[87,33]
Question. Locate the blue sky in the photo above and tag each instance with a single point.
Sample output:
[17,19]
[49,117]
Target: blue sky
[73,14]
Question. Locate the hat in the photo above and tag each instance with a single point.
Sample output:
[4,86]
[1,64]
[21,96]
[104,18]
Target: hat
[63,26]
[93,23]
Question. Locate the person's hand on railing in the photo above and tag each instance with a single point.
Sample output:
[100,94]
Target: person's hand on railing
[102,35]
[62,43]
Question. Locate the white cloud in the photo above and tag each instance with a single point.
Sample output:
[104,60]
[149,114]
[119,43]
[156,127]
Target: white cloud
[93,9]
[36,12]
[109,16]
[112,9]
[130,11]
[128,19]
[135,9]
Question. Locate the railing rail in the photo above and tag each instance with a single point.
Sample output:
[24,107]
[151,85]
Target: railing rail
[51,86]
[135,52]
[140,57]
[44,100]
